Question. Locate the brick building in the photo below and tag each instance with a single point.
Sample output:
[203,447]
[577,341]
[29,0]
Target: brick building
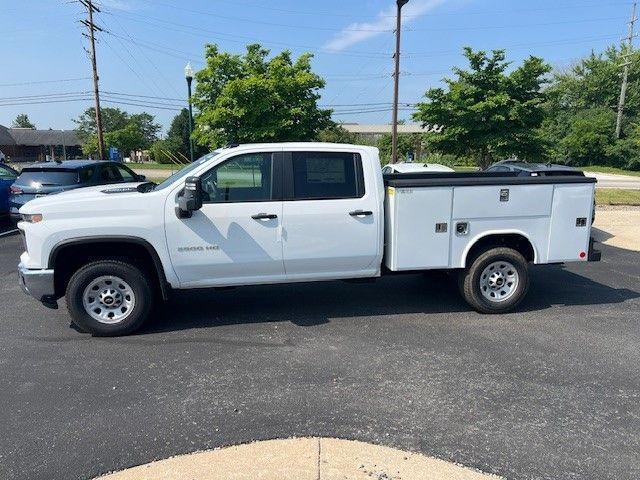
[32,145]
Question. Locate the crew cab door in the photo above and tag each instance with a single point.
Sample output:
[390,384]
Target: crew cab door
[331,219]
[235,237]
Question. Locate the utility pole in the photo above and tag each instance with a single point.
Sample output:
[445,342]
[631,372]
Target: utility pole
[396,83]
[625,72]
[92,29]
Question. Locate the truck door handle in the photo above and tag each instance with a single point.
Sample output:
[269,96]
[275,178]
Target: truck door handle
[361,213]
[264,216]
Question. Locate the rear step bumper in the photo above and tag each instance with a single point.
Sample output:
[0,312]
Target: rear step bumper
[594,255]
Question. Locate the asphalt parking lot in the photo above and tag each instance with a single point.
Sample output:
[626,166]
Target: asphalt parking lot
[551,392]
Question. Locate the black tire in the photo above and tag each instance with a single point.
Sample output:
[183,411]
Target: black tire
[471,288]
[133,276]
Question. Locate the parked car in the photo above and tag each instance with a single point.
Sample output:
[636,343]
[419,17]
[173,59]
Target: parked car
[415,168]
[46,178]
[7,176]
[526,169]
[295,212]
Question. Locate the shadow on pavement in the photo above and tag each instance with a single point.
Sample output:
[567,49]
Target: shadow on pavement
[312,304]
[6,225]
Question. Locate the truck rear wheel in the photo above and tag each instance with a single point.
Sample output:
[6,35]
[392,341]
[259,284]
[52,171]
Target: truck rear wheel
[496,282]
[109,298]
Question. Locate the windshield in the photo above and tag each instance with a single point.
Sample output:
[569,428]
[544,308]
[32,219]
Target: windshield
[6,173]
[186,170]
[47,177]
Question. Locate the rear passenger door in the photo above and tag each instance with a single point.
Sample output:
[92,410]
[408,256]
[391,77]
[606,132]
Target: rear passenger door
[330,221]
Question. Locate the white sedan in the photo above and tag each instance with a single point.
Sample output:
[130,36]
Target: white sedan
[415,168]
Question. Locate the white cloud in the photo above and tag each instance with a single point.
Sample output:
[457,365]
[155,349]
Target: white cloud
[386,20]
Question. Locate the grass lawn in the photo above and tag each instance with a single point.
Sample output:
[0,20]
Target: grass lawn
[153,166]
[617,196]
[465,169]
[614,170]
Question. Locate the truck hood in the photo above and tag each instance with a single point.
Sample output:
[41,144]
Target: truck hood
[83,199]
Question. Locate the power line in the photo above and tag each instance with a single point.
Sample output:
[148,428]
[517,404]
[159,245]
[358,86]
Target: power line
[567,41]
[38,82]
[261,22]
[151,62]
[234,38]
[317,13]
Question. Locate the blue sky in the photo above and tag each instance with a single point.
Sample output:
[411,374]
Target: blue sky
[45,70]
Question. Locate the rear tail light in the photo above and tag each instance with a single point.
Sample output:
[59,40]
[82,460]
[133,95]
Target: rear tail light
[15,190]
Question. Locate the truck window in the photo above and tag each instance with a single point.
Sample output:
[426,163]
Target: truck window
[110,174]
[327,175]
[126,174]
[245,178]
[86,174]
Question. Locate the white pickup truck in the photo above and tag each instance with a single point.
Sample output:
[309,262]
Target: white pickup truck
[295,212]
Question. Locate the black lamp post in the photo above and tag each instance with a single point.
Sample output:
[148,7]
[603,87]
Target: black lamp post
[188,73]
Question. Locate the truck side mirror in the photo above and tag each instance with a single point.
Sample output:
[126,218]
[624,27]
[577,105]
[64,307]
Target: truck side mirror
[191,199]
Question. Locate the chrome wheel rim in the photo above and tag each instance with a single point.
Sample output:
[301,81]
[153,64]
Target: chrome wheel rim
[499,281]
[109,299]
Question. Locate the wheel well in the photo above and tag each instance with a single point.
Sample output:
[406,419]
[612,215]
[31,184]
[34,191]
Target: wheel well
[518,242]
[66,259]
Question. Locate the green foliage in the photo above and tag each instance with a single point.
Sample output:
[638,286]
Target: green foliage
[22,121]
[407,143]
[167,151]
[595,82]
[486,112]
[127,132]
[589,136]
[581,113]
[249,98]
[112,119]
[179,134]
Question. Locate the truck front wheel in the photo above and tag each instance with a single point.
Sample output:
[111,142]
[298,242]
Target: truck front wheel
[496,281]
[109,298]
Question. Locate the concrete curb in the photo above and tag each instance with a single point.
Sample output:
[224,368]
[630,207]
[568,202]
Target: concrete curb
[301,459]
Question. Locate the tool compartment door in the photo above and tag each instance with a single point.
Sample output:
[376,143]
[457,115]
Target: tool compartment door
[419,221]
[570,228]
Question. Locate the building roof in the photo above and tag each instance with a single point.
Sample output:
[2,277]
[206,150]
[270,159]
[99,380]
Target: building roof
[382,128]
[32,137]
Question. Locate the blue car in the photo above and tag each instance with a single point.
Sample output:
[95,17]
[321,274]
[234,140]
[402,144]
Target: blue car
[46,178]
[7,177]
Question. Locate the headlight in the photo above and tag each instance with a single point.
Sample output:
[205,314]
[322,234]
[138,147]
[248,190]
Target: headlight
[31,217]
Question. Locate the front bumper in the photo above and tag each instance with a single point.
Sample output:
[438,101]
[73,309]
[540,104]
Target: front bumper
[37,283]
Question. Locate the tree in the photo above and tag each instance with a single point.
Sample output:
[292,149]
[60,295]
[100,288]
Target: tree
[249,98]
[589,136]
[127,132]
[486,112]
[167,150]
[22,121]
[407,143]
[595,82]
[112,119]
[179,132]
[580,113]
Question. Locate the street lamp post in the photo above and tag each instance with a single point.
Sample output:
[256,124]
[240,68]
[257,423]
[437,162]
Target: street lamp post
[396,83]
[188,73]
